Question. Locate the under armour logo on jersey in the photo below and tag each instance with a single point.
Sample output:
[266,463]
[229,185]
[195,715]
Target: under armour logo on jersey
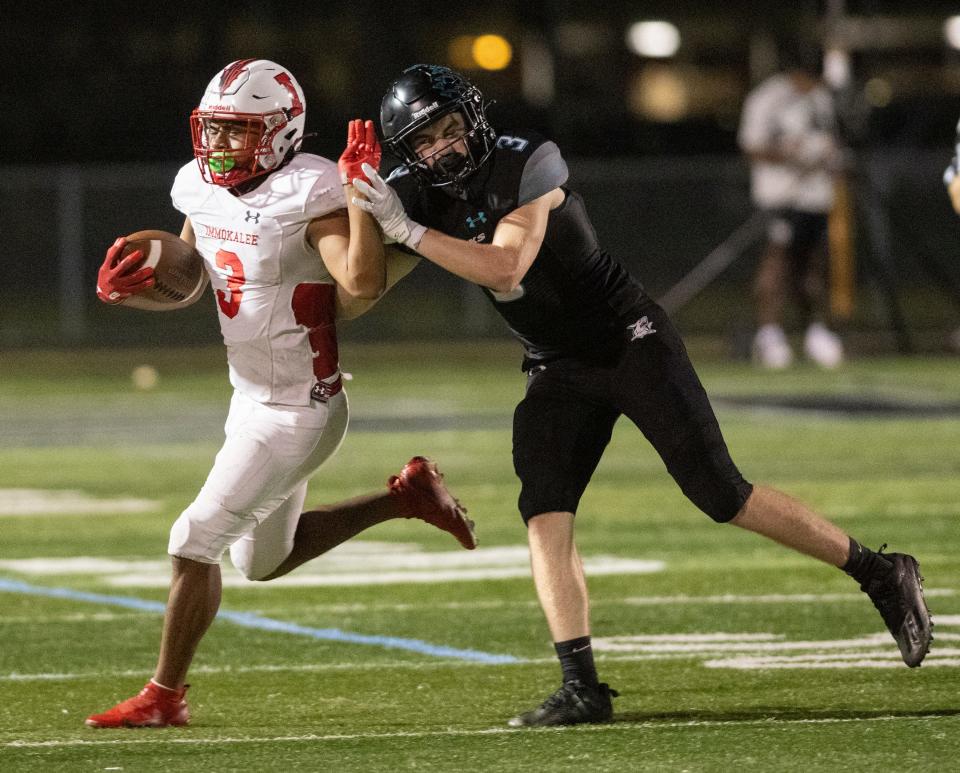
[473,221]
[252,217]
[641,328]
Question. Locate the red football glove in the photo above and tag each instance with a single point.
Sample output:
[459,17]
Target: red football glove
[119,278]
[362,148]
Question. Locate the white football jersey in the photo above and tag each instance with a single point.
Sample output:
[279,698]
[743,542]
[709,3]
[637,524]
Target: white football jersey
[777,115]
[275,297]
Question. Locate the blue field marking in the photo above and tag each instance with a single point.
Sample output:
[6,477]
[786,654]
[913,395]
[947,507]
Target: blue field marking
[250,620]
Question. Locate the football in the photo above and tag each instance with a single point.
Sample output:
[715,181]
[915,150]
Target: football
[178,271]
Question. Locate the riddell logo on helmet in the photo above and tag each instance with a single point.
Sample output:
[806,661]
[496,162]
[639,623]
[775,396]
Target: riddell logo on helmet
[426,110]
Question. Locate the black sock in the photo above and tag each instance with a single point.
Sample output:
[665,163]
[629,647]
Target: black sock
[864,565]
[576,660]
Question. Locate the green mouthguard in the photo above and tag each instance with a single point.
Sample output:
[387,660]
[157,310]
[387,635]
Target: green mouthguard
[220,164]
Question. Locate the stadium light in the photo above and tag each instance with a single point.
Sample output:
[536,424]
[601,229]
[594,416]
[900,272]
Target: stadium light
[951,31]
[659,93]
[654,39]
[492,52]
[486,52]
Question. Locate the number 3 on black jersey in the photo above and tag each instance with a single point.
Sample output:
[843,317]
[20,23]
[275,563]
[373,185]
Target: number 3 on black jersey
[512,143]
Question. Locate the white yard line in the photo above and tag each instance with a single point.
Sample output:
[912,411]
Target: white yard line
[75,617]
[347,565]
[280,609]
[733,650]
[768,598]
[28,501]
[763,664]
[819,656]
[266,667]
[763,598]
[614,727]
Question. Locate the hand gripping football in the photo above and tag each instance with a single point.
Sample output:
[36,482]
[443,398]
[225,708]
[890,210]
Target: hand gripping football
[179,276]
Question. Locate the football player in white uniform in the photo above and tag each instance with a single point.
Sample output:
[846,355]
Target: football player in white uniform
[280,242]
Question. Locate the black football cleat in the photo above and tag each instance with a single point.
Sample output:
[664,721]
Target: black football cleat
[898,596]
[574,703]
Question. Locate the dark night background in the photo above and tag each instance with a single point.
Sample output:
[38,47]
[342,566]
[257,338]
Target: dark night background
[114,81]
[96,97]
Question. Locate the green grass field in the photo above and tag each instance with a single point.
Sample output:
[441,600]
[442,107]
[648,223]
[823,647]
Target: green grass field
[410,654]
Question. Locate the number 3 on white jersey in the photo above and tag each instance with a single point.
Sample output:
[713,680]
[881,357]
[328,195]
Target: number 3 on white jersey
[230,267]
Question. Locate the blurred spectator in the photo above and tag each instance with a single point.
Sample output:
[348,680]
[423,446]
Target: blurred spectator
[788,131]
[951,178]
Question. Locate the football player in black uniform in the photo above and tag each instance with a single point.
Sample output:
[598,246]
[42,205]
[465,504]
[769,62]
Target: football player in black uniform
[494,208]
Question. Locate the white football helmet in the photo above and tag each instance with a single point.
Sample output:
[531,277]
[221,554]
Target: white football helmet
[264,96]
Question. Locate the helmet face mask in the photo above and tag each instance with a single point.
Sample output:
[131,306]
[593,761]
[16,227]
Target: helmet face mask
[443,149]
[229,146]
[421,97]
[251,117]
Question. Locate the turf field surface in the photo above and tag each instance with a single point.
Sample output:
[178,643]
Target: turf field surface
[399,651]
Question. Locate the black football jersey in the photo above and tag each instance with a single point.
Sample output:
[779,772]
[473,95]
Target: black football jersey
[575,300]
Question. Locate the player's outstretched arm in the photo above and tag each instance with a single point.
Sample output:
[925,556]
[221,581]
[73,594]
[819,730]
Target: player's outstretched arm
[499,265]
[349,241]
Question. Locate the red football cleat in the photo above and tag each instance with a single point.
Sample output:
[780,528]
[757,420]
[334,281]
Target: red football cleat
[154,706]
[420,492]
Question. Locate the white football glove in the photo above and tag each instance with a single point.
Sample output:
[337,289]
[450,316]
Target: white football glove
[385,205]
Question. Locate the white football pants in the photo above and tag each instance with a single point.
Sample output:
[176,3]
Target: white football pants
[252,499]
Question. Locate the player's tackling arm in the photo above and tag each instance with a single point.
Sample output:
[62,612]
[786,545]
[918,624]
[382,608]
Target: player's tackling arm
[501,264]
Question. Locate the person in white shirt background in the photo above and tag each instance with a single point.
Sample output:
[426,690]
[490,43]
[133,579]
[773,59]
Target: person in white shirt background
[788,132]
[951,178]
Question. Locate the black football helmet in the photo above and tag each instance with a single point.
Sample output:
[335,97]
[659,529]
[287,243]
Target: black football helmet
[418,97]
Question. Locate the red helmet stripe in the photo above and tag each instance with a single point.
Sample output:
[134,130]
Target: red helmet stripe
[232,71]
[284,80]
